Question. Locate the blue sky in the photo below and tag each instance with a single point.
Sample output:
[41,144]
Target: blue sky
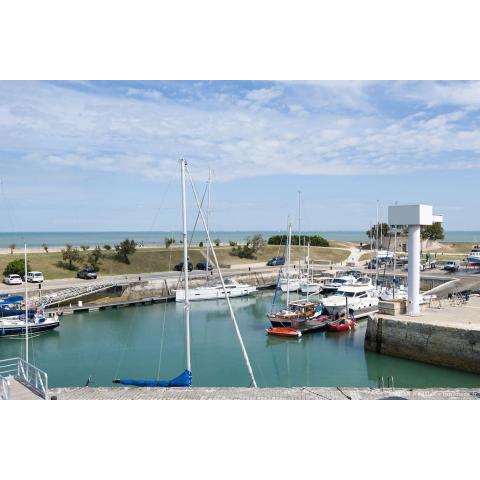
[103,155]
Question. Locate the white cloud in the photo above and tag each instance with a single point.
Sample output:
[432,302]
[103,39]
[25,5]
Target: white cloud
[52,125]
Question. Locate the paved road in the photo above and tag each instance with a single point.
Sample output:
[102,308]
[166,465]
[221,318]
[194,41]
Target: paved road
[69,282]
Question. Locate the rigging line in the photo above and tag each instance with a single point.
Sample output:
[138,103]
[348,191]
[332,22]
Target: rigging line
[162,337]
[180,277]
[162,200]
[232,315]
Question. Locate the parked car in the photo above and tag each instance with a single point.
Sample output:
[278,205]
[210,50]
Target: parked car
[452,266]
[12,279]
[203,266]
[278,260]
[87,274]
[35,277]
[179,267]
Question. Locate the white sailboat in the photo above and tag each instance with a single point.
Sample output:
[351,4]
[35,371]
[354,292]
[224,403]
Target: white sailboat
[215,291]
[185,378]
[309,286]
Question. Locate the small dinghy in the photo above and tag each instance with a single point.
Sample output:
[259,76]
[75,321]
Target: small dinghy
[343,324]
[284,332]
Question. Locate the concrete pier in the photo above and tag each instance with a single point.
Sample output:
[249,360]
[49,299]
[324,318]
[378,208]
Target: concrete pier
[447,336]
[238,393]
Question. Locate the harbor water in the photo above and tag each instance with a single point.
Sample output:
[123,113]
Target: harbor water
[147,342]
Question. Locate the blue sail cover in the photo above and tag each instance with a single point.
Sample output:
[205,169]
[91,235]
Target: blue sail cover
[183,380]
[11,300]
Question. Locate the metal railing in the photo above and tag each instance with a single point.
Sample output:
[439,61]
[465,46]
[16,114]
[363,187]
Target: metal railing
[4,389]
[74,292]
[26,373]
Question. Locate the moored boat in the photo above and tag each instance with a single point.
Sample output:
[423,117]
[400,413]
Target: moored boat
[341,325]
[284,332]
[473,258]
[214,292]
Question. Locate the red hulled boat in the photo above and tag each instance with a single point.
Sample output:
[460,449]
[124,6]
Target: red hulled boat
[284,332]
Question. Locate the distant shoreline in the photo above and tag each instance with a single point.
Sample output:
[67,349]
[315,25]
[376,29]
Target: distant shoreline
[57,240]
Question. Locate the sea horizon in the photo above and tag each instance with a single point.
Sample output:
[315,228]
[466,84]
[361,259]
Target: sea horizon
[92,238]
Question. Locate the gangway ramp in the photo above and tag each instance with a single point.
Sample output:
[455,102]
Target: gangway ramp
[72,293]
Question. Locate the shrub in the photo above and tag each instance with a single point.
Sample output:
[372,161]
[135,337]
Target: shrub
[169,241]
[200,244]
[84,247]
[12,247]
[45,247]
[107,247]
[232,243]
[217,242]
[16,267]
[315,240]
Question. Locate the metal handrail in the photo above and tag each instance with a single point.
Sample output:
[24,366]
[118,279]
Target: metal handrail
[26,373]
[4,389]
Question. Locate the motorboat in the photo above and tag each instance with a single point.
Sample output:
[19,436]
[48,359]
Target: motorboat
[356,297]
[473,258]
[336,283]
[37,322]
[215,292]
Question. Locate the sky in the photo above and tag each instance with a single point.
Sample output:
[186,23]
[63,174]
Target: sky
[104,155]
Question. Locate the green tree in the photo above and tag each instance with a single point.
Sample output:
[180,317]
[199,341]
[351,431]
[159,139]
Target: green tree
[169,241]
[95,256]
[217,242]
[16,267]
[107,247]
[200,244]
[232,243]
[432,232]
[126,248]
[252,246]
[85,247]
[12,247]
[45,247]
[71,255]
[315,240]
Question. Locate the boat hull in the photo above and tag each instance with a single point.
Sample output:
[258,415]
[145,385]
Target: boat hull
[473,260]
[341,327]
[6,330]
[284,332]
[207,293]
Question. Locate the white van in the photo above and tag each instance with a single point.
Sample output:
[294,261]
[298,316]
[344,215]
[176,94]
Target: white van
[36,277]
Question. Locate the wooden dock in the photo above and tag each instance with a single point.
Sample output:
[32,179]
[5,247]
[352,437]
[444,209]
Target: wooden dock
[95,307]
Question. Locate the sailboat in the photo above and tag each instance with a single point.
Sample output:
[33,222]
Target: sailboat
[185,378]
[215,291]
[296,311]
[17,321]
[308,285]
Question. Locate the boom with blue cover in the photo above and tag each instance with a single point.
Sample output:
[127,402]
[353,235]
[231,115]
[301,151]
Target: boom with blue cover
[183,380]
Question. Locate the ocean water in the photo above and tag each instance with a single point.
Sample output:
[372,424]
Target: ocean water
[59,239]
[146,342]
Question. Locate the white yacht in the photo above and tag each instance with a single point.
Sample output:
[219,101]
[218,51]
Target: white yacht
[359,296]
[474,256]
[338,282]
[214,292]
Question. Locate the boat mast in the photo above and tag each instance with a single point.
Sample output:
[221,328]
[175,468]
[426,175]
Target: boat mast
[308,270]
[288,261]
[299,234]
[227,297]
[186,307]
[376,251]
[208,215]
[26,307]
[394,261]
